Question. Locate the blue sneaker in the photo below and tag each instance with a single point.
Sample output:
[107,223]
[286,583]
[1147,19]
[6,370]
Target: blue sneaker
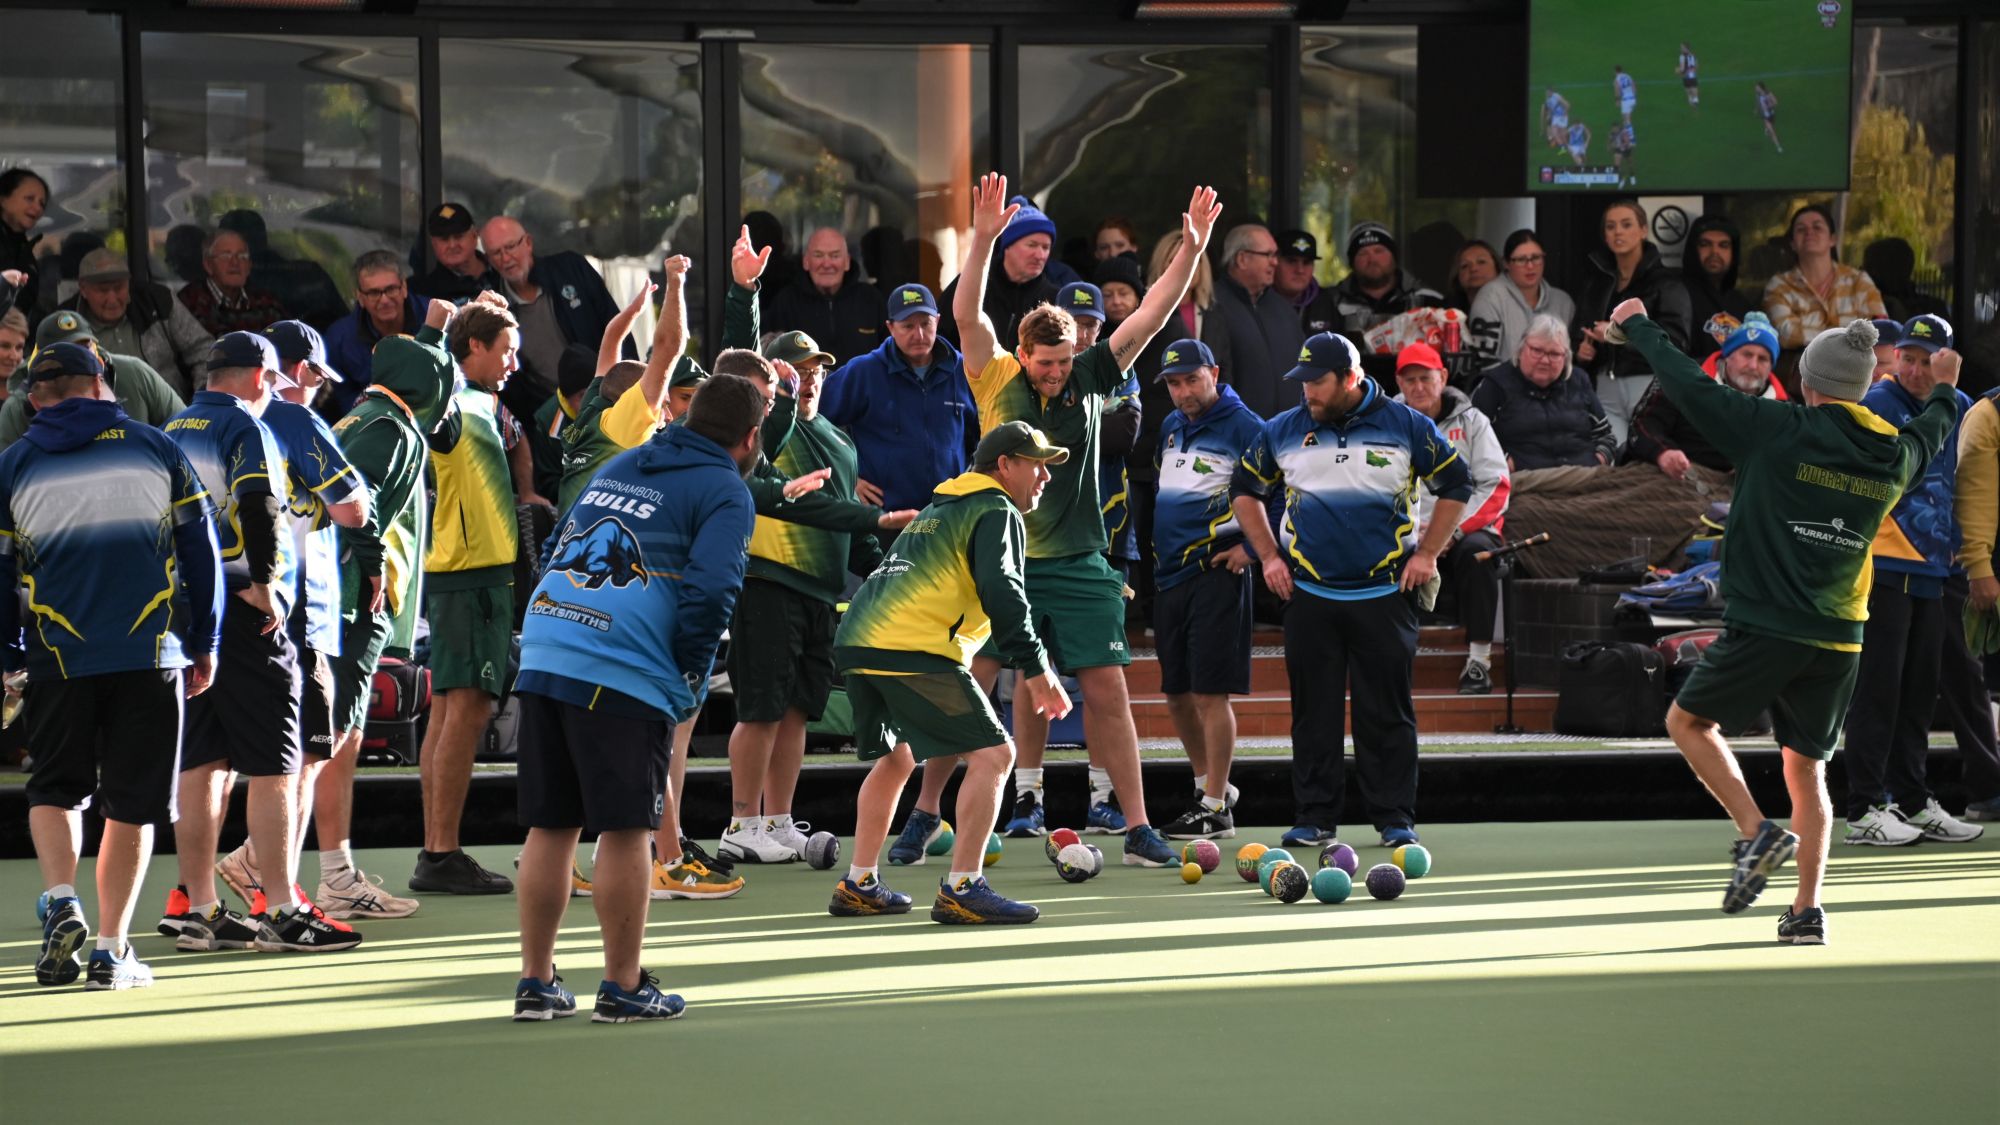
[647,1002]
[42,908]
[1307,836]
[868,897]
[109,972]
[1105,819]
[543,1000]
[1756,860]
[1028,819]
[918,832]
[976,904]
[1145,847]
[1396,835]
[63,935]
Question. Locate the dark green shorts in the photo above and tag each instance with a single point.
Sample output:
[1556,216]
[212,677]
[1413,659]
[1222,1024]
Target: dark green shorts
[472,635]
[361,644]
[937,713]
[1077,606]
[1807,688]
[780,652]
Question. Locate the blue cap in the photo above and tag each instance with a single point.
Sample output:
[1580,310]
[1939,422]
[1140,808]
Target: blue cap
[1326,352]
[1887,330]
[296,340]
[1755,329]
[1927,332]
[242,349]
[59,360]
[1183,356]
[908,300]
[1081,298]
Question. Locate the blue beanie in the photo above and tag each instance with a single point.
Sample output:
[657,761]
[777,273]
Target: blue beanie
[1028,220]
[1756,329]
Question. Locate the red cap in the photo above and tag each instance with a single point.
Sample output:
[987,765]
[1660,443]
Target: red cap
[1419,355]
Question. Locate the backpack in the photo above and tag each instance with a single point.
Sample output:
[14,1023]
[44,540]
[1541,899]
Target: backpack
[1696,591]
[397,706]
[1611,689]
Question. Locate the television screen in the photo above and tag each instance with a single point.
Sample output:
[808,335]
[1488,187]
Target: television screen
[1690,96]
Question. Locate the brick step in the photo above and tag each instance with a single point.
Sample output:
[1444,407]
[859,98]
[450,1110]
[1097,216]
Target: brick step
[1269,714]
[1271,636]
[1435,672]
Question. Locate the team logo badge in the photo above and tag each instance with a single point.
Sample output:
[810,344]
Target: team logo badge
[1171,357]
[1377,461]
[912,297]
[1311,440]
[607,552]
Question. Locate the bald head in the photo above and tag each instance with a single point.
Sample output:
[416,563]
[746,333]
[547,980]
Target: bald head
[508,249]
[826,259]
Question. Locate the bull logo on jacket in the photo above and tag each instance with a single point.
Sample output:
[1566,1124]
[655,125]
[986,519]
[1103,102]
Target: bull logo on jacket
[607,552]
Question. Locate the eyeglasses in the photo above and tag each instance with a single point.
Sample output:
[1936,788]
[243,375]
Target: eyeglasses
[381,294]
[1527,259]
[1549,354]
[1259,253]
[230,255]
[507,249]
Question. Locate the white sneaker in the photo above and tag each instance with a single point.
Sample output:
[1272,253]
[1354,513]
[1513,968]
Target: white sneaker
[1883,827]
[356,894]
[791,833]
[747,842]
[1936,824]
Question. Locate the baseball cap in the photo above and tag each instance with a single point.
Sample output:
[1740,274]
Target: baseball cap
[242,349]
[1887,330]
[1298,244]
[1929,332]
[1081,298]
[58,360]
[687,373]
[296,340]
[1183,356]
[909,300]
[1328,351]
[103,264]
[1017,439]
[795,348]
[66,326]
[1419,355]
[447,220]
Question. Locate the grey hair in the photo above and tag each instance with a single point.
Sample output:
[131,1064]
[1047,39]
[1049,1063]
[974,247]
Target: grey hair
[376,260]
[215,236]
[1551,328]
[1238,240]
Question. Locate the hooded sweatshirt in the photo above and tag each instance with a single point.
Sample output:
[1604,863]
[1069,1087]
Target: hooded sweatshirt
[1813,483]
[1714,312]
[83,501]
[1007,301]
[1192,519]
[641,582]
[1500,314]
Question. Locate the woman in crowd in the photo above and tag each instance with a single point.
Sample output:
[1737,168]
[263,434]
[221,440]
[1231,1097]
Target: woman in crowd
[1626,267]
[1501,311]
[23,197]
[1543,410]
[1819,293]
[1115,236]
[1473,266]
[1187,320]
[13,349]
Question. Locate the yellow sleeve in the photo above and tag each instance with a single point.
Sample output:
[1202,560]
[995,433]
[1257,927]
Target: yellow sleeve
[989,385]
[630,420]
[1976,498]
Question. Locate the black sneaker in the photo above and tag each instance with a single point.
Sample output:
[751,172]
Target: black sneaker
[456,873]
[225,929]
[1477,679]
[1808,928]
[1756,859]
[715,864]
[302,931]
[1200,824]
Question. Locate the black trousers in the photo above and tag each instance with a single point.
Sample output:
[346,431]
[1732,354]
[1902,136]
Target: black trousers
[1475,585]
[1369,647]
[1895,694]
[1962,691]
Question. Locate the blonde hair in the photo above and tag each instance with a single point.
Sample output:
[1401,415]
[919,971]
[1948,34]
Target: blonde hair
[1047,326]
[13,321]
[1202,288]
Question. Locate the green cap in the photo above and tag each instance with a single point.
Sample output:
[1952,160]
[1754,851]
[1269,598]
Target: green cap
[687,373]
[796,348]
[1017,439]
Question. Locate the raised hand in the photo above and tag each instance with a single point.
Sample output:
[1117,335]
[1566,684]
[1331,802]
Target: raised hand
[990,210]
[1198,221]
[1945,365]
[746,262]
[639,299]
[438,314]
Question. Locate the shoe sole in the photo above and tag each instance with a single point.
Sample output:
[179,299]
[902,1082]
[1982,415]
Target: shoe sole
[187,944]
[116,984]
[1929,838]
[169,928]
[600,1017]
[1819,939]
[692,896]
[262,946]
[1099,830]
[840,909]
[1738,898]
[963,917]
[1132,860]
[58,965]
[365,914]
[429,888]
[541,1015]
[237,885]
[1225,834]
[1864,842]
[735,855]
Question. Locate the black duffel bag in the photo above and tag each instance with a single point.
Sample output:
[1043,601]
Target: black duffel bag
[1611,689]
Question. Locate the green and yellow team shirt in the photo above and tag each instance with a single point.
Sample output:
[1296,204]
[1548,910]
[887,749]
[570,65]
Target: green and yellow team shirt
[600,431]
[473,525]
[807,559]
[1070,518]
[953,578]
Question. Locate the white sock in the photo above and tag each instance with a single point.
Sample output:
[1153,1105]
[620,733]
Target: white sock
[1100,785]
[333,863]
[1201,783]
[111,944]
[286,903]
[62,890]
[1481,651]
[1028,781]
[957,879]
[860,876]
[1213,804]
[777,822]
[205,909]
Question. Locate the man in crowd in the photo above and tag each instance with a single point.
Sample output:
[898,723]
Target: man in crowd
[1298,253]
[619,639]
[383,307]
[1201,619]
[1350,461]
[1018,279]
[225,301]
[104,705]
[1662,436]
[1708,269]
[1475,585]
[828,302]
[142,394]
[557,299]
[1253,330]
[1377,288]
[460,273]
[146,322]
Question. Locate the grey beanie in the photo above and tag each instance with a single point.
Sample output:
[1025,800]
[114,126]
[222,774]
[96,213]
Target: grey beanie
[1840,362]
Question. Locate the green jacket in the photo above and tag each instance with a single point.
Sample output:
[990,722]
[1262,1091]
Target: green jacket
[141,392]
[814,561]
[1812,486]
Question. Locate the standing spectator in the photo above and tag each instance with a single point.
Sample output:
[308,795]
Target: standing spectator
[1626,267]
[300,284]
[557,299]
[1474,584]
[460,273]
[13,350]
[1378,288]
[906,406]
[1818,293]
[1542,409]
[1662,436]
[103,713]
[1018,280]
[223,301]
[383,306]
[146,322]
[1889,799]
[1472,268]
[1116,237]
[1252,330]
[1708,271]
[469,570]
[1977,505]
[1501,312]
[1348,570]
[24,196]
[142,394]
[829,301]
[1298,251]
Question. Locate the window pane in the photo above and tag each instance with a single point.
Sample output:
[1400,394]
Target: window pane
[306,146]
[1985,202]
[878,142]
[59,113]
[1093,145]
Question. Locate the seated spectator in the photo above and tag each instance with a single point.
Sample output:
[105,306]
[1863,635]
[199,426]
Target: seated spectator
[383,306]
[829,301]
[144,321]
[24,196]
[1298,257]
[1378,288]
[1887,331]
[906,406]
[1818,293]
[1021,277]
[1708,272]
[1472,267]
[1253,331]
[1626,265]
[224,301]
[559,298]
[1116,236]
[13,349]
[300,284]
[142,393]
[460,272]
[1662,437]
[1892,265]
[1501,312]
[1542,409]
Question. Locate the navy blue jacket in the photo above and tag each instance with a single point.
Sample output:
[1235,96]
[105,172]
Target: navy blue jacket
[350,348]
[1921,537]
[909,436]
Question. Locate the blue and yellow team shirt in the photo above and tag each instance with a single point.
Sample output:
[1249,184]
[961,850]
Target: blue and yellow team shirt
[1069,520]
[473,525]
[1192,518]
[237,458]
[319,475]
